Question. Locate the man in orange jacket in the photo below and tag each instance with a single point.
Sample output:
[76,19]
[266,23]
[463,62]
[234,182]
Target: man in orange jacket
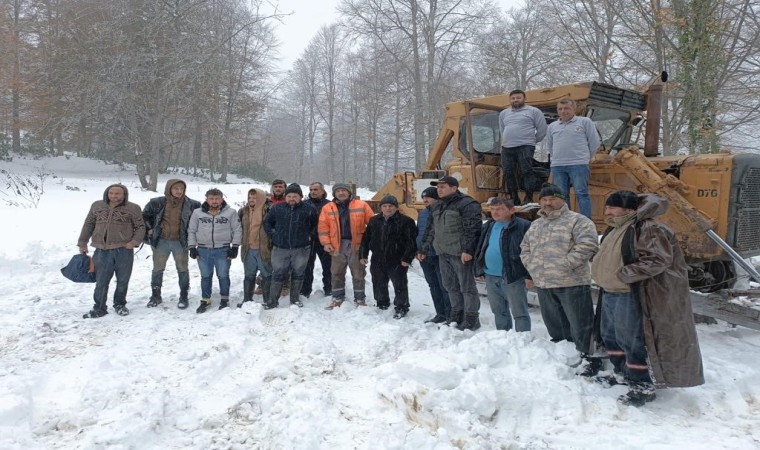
[342,224]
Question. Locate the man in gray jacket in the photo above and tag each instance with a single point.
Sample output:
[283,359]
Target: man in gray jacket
[572,142]
[214,235]
[556,251]
[116,227]
[521,126]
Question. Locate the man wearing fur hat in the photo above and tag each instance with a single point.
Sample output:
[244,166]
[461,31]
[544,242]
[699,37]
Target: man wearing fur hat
[390,237]
[166,221]
[556,251]
[642,274]
[342,224]
[290,226]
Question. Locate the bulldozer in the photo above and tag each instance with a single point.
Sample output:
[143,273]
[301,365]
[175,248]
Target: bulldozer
[714,198]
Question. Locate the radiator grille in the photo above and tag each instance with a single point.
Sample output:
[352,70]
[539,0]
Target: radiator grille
[748,230]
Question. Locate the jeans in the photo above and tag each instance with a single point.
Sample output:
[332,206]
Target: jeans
[208,260]
[161,254]
[308,277]
[431,268]
[289,263]
[568,313]
[459,282]
[253,263]
[499,295]
[116,261]
[347,257]
[396,275]
[577,176]
[522,157]
[623,335]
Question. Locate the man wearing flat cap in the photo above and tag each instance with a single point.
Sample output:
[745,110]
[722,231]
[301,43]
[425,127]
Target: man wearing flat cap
[641,272]
[454,234]
[390,236]
[556,251]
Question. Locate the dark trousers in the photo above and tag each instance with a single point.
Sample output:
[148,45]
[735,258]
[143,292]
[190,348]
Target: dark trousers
[289,263]
[117,261]
[432,271]
[459,282]
[520,157]
[308,277]
[396,275]
[623,335]
[568,313]
[161,253]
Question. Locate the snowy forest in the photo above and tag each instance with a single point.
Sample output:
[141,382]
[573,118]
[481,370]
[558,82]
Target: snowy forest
[194,86]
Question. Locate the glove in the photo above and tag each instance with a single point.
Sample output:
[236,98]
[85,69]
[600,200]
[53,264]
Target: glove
[232,252]
[194,252]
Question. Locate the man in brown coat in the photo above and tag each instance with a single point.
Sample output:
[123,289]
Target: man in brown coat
[647,324]
[116,228]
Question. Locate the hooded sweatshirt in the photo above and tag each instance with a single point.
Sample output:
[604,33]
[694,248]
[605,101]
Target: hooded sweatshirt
[171,222]
[115,227]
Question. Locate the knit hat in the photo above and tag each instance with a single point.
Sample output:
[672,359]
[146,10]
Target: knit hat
[294,188]
[451,181]
[430,192]
[389,200]
[337,186]
[550,190]
[623,199]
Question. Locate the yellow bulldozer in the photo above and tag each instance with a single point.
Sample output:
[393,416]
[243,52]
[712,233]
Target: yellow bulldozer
[715,198]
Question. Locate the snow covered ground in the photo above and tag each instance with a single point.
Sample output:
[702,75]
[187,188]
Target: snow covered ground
[305,378]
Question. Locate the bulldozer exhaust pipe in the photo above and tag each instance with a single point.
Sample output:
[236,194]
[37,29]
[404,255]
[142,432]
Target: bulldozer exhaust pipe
[654,113]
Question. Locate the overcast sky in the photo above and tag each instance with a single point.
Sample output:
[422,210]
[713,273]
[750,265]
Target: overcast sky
[308,16]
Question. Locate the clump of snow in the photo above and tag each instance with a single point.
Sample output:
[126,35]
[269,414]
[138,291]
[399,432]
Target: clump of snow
[351,378]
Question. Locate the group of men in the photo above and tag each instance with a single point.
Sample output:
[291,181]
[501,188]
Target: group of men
[571,141]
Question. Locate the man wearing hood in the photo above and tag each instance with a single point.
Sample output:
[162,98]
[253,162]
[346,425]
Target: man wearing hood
[317,198]
[214,235]
[647,324]
[166,220]
[556,251]
[342,225]
[290,226]
[116,227]
[255,248]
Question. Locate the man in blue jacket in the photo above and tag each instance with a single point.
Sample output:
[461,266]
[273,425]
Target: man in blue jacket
[430,264]
[166,221]
[290,226]
[498,258]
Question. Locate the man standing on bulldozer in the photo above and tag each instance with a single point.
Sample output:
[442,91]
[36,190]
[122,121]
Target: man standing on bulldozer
[522,127]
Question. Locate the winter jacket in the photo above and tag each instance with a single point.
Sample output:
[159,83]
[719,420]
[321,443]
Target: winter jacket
[262,208]
[318,203]
[457,220]
[115,227]
[656,270]
[557,249]
[153,213]
[423,221]
[511,238]
[291,226]
[329,232]
[391,241]
[214,231]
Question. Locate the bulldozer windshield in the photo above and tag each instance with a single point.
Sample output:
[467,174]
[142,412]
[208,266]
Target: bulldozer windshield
[486,136]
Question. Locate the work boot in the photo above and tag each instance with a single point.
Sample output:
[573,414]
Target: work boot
[640,392]
[247,291]
[95,314]
[205,303]
[121,310]
[436,319]
[591,367]
[360,302]
[335,303]
[400,313]
[455,317]
[295,293]
[470,322]
[224,303]
[155,298]
[183,302]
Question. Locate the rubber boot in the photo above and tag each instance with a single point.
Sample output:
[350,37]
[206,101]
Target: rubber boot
[274,294]
[266,288]
[455,317]
[295,292]
[155,298]
[183,301]
[247,291]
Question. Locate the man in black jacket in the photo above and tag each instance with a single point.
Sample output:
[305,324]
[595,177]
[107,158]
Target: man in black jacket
[454,234]
[166,219]
[317,198]
[290,226]
[498,259]
[390,236]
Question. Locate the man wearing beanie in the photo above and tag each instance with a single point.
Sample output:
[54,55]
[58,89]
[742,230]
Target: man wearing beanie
[430,264]
[454,235]
[290,226]
[642,273]
[342,224]
[556,251]
[390,236]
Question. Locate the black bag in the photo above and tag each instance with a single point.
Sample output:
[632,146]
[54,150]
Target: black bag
[78,269]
